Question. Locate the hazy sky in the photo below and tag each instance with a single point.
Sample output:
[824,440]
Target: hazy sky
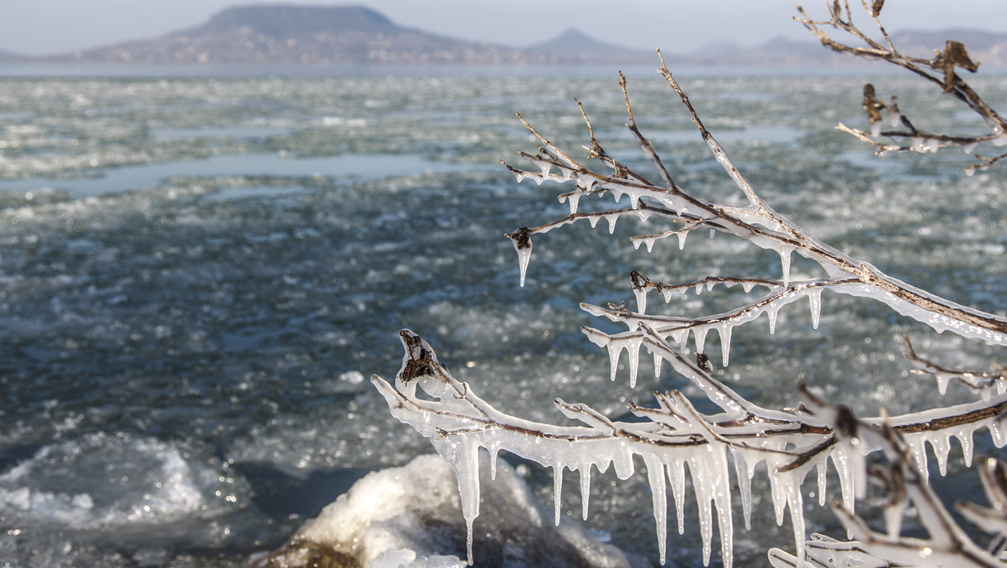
[38,27]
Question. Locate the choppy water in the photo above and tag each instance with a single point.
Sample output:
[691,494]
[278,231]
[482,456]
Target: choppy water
[197,275]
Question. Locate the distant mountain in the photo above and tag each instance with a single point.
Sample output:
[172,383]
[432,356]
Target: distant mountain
[578,47]
[292,34]
[286,34]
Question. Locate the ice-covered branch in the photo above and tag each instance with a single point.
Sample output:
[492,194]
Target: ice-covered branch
[905,483]
[756,223]
[982,382]
[674,434]
[942,70]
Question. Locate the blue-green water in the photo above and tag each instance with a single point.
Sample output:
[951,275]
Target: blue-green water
[198,274]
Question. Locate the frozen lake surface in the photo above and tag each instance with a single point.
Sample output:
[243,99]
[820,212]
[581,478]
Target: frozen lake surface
[199,274]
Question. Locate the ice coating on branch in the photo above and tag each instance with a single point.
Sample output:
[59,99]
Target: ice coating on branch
[456,424]
[938,321]
[678,434]
[674,439]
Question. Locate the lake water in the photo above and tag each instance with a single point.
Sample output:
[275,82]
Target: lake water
[198,274]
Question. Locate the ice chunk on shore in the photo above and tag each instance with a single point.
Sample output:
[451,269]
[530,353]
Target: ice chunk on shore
[411,517]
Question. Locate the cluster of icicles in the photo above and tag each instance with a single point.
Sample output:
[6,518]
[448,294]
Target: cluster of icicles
[459,423]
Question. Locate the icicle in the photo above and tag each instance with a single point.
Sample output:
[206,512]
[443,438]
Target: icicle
[611,222]
[941,446]
[585,488]
[493,450]
[815,297]
[633,349]
[965,439]
[942,382]
[822,481]
[699,333]
[777,493]
[702,490]
[680,336]
[789,486]
[876,128]
[593,220]
[744,473]
[659,494]
[997,433]
[708,466]
[641,299]
[463,455]
[676,476]
[623,461]
[771,311]
[919,452]
[850,477]
[725,341]
[617,193]
[574,200]
[969,147]
[667,293]
[658,360]
[747,286]
[713,233]
[522,244]
[557,491]
[681,238]
[785,251]
[614,352]
[634,200]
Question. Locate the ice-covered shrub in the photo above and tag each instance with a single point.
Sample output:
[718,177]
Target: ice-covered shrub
[727,445]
